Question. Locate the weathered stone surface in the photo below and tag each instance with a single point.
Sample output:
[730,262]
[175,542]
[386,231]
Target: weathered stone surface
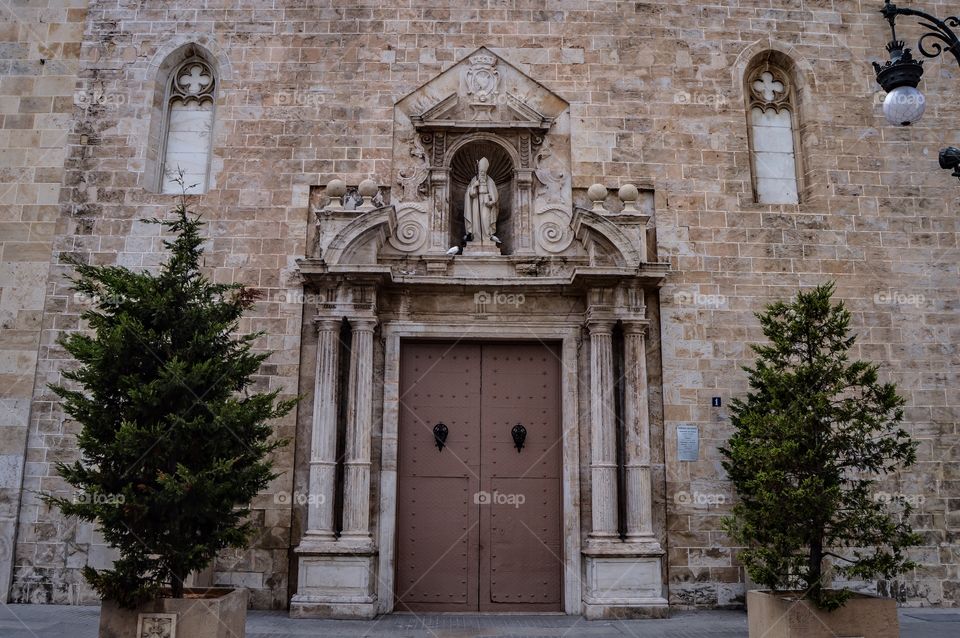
[655,93]
[39,64]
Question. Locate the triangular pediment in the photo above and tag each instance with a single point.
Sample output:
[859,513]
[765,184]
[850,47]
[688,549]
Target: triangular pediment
[482,91]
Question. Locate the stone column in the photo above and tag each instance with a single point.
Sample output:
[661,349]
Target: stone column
[356,496]
[603,436]
[323,446]
[440,219]
[637,434]
[522,224]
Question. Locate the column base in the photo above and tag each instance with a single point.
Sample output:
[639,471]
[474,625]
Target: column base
[305,608]
[335,580]
[624,580]
[653,608]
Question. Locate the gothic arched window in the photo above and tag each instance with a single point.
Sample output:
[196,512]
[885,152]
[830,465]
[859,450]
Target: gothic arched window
[772,134]
[188,132]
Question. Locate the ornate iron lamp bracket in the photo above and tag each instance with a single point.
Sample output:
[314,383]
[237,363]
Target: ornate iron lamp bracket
[903,70]
[940,38]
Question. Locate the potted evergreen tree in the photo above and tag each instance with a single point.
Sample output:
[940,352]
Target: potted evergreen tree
[812,438]
[174,445]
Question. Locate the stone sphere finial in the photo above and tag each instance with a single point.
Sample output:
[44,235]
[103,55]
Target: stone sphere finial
[597,194]
[336,189]
[368,190]
[629,194]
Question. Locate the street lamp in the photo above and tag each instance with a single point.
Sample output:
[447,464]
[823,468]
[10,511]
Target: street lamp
[901,74]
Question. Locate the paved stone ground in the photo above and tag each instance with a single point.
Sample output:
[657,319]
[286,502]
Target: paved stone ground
[57,621]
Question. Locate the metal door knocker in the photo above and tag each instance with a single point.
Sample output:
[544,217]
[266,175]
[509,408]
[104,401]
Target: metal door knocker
[519,434]
[440,433]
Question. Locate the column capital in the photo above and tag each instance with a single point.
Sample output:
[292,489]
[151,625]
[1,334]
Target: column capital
[635,327]
[439,175]
[599,323]
[327,324]
[362,324]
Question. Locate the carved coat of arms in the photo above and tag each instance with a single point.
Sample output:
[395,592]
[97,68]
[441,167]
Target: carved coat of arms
[483,79]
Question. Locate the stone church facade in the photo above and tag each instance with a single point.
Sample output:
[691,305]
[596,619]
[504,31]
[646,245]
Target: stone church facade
[525,424]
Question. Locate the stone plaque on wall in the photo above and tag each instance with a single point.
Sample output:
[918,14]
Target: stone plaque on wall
[688,443]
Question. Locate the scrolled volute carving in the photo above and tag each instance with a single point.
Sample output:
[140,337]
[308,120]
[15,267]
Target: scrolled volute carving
[411,230]
[553,232]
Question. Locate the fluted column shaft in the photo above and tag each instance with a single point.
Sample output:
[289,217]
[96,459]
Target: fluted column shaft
[603,436]
[639,498]
[356,497]
[323,440]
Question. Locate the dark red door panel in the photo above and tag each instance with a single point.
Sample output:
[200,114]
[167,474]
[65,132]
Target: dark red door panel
[437,521]
[479,522]
[521,561]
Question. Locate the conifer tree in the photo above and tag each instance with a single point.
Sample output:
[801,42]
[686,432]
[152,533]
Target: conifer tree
[812,438]
[174,443]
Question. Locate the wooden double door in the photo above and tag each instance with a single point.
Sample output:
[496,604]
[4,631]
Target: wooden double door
[479,507]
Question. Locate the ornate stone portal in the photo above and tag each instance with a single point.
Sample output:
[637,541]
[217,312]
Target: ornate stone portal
[479,145]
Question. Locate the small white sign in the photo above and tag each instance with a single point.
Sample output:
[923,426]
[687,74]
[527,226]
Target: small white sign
[688,443]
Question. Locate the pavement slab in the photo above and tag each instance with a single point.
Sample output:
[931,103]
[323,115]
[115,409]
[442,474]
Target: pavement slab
[63,621]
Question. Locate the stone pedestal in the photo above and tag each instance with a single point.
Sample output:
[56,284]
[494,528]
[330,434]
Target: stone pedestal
[624,581]
[336,580]
[476,249]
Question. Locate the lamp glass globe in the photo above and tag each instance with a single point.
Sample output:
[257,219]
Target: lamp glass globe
[904,105]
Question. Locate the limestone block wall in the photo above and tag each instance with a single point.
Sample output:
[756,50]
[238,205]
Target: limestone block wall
[306,93]
[39,55]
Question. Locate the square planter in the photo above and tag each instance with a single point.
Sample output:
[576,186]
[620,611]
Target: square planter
[786,615]
[203,612]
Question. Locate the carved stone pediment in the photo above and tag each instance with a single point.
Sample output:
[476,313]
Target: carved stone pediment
[451,114]
[483,92]
[482,108]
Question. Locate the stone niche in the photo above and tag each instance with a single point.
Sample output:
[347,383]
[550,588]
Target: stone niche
[482,107]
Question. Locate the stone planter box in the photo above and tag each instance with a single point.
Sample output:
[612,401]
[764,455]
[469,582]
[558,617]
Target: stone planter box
[786,615]
[205,612]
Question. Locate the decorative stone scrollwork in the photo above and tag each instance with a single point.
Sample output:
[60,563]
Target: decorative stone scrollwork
[413,172]
[439,148]
[524,151]
[411,233]
[551,176]
[553,231]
